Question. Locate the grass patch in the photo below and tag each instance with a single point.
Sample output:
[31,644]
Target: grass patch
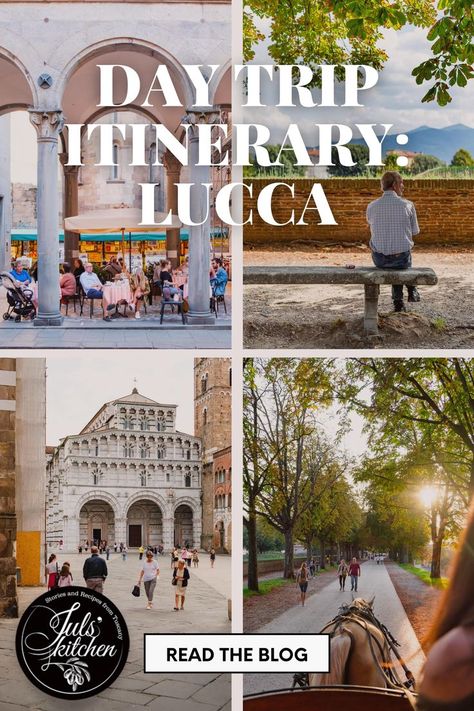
[266,586]
[439,323]
[440,583]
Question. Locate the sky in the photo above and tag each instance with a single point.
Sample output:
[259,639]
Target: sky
[78,386]
[396,98]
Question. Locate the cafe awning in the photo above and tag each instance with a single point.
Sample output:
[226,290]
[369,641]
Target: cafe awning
[120,219]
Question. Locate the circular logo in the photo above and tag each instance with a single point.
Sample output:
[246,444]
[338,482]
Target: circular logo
[72,642]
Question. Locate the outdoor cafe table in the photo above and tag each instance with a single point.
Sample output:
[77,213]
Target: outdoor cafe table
[115,292]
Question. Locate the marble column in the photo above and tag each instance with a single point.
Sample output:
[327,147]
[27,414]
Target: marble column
[173,170]
[48,126]
[30,472]
[199,236]
[70,207]
[8,591]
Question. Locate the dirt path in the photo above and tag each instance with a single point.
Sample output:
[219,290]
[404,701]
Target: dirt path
[418,599]
[259,610]
[331,316]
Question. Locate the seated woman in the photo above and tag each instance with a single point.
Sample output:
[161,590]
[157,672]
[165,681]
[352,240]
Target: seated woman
[448,675]
[140,288]
[67,281]
[166,281]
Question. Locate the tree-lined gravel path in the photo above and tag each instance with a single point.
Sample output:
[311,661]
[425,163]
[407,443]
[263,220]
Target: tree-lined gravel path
[322,607]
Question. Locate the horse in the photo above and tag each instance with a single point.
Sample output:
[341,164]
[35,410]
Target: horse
[361,651]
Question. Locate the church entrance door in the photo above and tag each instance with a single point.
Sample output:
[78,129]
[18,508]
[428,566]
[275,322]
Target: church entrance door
[134,536]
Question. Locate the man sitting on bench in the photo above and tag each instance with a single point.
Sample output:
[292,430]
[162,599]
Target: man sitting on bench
[393,224]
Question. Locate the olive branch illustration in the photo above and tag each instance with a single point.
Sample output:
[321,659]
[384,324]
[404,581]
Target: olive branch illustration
[74,671]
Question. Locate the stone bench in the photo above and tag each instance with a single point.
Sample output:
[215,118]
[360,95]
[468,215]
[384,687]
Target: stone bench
[370,277]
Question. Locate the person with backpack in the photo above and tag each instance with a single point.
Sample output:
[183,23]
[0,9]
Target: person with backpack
[302,581]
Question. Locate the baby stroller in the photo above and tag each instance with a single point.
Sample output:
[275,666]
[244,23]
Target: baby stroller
[19,300]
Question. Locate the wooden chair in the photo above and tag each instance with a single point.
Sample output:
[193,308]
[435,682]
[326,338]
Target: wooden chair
[83,298]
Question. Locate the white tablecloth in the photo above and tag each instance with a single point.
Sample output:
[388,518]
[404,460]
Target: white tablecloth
[118,291]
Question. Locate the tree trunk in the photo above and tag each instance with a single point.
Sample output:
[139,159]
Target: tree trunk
[436,558]
[309,548]
[252,578]
[471,480]
[289,568]
[323,555]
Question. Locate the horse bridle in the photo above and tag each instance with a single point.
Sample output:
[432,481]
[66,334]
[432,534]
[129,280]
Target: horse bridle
[362,616]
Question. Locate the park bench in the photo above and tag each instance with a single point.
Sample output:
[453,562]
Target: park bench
[371,277]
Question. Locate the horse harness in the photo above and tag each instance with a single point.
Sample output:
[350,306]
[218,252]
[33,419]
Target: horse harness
[362,616]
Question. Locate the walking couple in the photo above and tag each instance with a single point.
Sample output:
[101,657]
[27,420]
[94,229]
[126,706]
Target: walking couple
[344,570]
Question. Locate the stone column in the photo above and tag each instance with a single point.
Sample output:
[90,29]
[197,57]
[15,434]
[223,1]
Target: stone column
[70,207]
[31,468]
[48,126]
[8,593]
[173,170]
[168,533]
[199,236]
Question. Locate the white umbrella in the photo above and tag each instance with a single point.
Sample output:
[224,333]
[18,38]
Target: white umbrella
[117,219]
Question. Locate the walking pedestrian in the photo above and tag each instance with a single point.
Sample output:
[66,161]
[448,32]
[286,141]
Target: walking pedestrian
[115,547]
[141,551]
[189,557]
[52,572]
[124,552]
[195,558]
[65,576]
[180,581]
[342,571]
[302,581]
[212,556]
[150,572]
[107,552]
[95,571]
[354,572]
[312,567]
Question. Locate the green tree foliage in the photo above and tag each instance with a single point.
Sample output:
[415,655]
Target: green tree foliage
[360,155]
[419,416]
[421,163]
[462,158]
[287,169]
[267,538]
[338,32]
[281,399]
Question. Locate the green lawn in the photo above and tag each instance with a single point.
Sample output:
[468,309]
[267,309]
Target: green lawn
[265,586]
[441,583]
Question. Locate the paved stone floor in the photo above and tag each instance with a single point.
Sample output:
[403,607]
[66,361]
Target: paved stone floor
[146,332]
[323,606]
[205,611]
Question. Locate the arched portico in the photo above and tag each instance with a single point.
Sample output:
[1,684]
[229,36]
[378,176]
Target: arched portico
[96,522]
[68,57]
[144,524]
[187,523]
[16,94]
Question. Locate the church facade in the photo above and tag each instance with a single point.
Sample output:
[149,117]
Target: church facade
[128,477]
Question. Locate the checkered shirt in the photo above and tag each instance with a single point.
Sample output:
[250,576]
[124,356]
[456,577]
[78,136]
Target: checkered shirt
[393,224]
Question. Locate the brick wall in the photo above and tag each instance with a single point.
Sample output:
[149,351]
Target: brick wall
[445,211]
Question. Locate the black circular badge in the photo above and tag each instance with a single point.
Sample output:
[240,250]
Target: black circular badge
[72,642]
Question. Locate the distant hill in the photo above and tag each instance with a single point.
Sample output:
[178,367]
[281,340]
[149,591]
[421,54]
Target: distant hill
[440,142]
